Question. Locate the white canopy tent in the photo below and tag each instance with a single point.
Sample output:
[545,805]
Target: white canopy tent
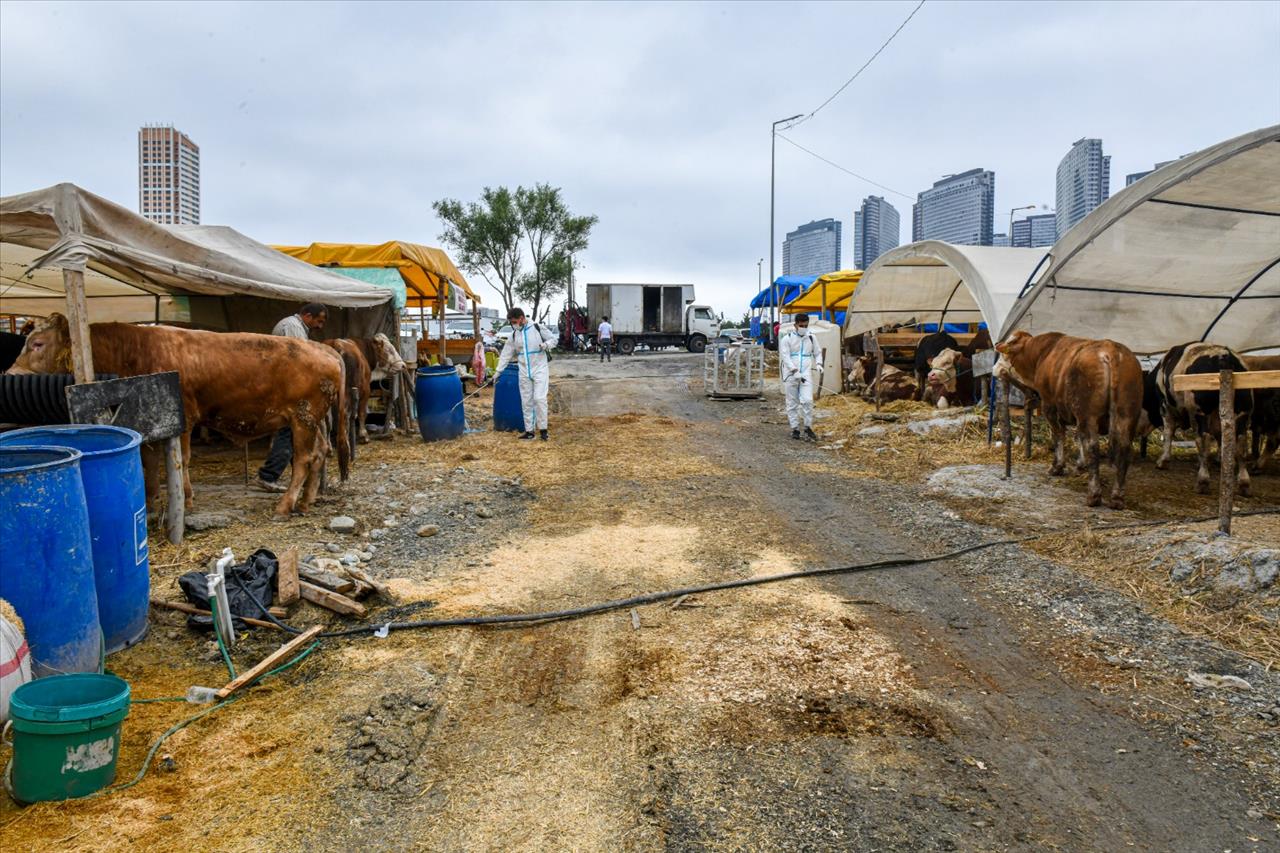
[1189,253]
[138,271]
[935,282]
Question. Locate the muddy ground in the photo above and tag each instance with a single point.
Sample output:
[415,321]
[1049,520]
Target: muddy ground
[1024,697]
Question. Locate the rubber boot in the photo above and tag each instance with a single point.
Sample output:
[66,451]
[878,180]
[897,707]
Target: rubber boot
[810,434]
[542,434]
[526,436]
[795,433]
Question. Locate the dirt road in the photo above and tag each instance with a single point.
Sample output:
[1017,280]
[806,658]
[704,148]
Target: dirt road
[994,702]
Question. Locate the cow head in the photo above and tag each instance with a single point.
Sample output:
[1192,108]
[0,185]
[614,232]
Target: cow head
[389,361]
[48,348]
[943,368]
[1011,355]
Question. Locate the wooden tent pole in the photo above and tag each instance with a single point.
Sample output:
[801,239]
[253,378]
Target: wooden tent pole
[78,320]
[1226,448]
[440,288]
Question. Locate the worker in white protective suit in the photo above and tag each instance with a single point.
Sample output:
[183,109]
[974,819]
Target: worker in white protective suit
[528,347]
[800,364]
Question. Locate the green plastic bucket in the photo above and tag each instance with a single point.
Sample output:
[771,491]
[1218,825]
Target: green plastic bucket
[66,736]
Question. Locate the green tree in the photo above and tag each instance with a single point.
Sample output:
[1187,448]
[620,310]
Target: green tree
[489,239]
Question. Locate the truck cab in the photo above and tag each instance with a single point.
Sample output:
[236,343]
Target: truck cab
[701,325]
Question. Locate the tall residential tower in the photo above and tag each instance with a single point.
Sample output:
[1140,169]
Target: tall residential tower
[168,176]
[812,249]
[958,209]
[875,230]
[1084,182]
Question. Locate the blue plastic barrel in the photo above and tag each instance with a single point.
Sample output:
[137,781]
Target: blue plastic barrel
[111,469]
[437,391]
[48,563]
[508,411]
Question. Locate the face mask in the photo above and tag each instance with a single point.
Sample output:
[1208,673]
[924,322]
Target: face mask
[802,330]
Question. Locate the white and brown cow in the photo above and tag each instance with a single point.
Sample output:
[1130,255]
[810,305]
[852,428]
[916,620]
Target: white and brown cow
[1199,409]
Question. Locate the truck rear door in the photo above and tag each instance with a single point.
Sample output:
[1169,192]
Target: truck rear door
[626,311]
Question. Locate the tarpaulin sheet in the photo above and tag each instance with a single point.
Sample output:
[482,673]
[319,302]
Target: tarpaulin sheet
[787,287]
[425,269]
[1190,252]
[936,282]
[840,286]
[134,265]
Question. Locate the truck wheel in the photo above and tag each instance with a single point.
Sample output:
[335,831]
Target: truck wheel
[626,346]
[697,343]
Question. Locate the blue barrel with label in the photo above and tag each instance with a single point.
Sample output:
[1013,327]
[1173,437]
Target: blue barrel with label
[437,390]
[48,561]
[111,470]
[508,411]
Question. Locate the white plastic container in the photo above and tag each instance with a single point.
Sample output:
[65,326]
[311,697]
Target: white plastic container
[15,661]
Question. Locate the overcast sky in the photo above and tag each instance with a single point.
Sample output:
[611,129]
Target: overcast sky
[343,122]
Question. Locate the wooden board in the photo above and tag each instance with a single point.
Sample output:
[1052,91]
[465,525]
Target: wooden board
[322,597]
[454,348]
[910,339]
[287,577]
[183,607]
[150,405]
[1241,380]
[328,580]
[270,662]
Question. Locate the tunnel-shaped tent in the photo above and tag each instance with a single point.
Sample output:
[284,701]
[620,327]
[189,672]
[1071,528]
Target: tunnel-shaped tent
[1189,253]
[936,282]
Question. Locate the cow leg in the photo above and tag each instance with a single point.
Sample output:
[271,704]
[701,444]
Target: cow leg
[1059,433]
[187,491]
[151,458]
[1242,466]
[1088,434]
[1203,443]
[304,439]
[1167,449]
[364,411]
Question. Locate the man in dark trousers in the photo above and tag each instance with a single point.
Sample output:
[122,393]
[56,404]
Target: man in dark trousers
[604,339]
[310,317]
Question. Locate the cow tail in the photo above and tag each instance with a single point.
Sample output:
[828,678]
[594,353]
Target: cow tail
[1112,412]
[343,428]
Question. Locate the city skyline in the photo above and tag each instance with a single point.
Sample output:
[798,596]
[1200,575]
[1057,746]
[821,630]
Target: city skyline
[813,248]
[168,175]
[957,209]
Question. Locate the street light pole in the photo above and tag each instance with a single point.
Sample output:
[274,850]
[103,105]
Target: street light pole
[759,281]
[1011,212]
[773,151]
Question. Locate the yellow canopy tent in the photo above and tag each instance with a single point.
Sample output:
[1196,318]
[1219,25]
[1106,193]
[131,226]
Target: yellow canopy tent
[427,272]
[828,293]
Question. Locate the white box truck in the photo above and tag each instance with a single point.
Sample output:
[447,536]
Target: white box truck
[657,315]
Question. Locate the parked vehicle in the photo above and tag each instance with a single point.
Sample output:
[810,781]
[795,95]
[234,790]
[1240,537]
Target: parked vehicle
[504,333]
[655,315]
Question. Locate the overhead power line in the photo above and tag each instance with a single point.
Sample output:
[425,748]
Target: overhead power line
[837,92]
[843,169]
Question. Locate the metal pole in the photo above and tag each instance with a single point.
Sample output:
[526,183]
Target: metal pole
[773,150]
[1226,448]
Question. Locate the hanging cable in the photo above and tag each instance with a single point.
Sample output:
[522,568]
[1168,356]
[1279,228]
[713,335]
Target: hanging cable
[837,92]
[843,169]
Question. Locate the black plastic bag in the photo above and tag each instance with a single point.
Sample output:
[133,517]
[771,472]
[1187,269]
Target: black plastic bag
[256,575]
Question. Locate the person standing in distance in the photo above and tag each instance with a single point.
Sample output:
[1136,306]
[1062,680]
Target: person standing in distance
[309,317]
[604,339]
[800,363]
[528,347]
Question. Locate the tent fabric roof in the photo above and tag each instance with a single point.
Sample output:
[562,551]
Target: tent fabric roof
[1191,252]
[920,282]
[840,286]
[786,286]
[124,255]
[424,268]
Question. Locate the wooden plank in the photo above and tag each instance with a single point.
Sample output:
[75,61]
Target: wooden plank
[78,321]
[326,579]
[1006,428]
[336,602]
[1227,447]
[910,339]
[1242,380]
[365,578]
[184,607]
[176,516]
[287,577]
[270,662]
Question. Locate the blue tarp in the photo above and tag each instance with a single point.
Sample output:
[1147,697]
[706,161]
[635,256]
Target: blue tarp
[788,287]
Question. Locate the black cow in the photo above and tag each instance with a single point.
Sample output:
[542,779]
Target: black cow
[926,351]
[1200,408]
[1152,417]
[1265,423]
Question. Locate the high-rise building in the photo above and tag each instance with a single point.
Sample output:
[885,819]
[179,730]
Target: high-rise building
[958,209]
[1035,231]
[168,176]
[875,230]
[1000,240]
[812,249]
[1084,182]
[1137,176]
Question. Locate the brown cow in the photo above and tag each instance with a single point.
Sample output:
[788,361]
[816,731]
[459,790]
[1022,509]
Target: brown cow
[357,372]
[243,385]
[1095,385]
[895,384]
[1265,422]
[950,380]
